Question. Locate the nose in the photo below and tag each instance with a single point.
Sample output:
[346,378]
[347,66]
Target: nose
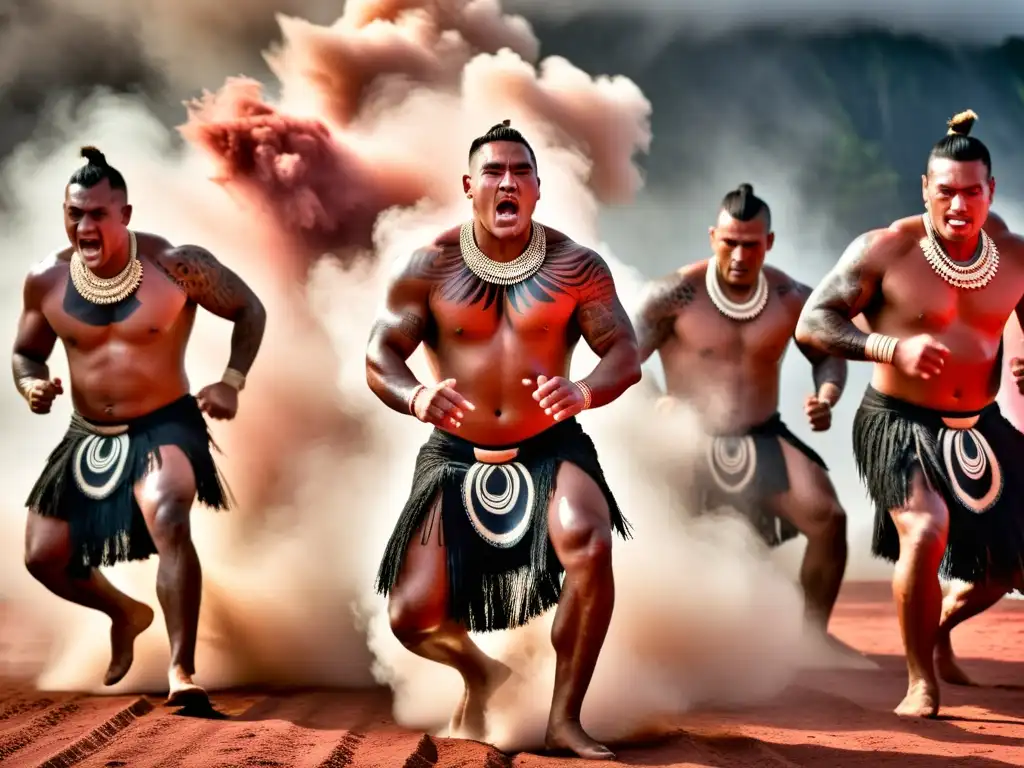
[508,182]
[958,203]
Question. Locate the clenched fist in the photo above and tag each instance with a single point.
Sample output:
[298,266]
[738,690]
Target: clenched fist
[819,413]
[40,394]
[920,356]
[1017,369]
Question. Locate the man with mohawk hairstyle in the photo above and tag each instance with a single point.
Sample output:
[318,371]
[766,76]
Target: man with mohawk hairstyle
[931,295]
[508,493]
[721,328]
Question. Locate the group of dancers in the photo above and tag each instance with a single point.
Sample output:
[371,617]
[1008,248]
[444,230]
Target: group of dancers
[509,513]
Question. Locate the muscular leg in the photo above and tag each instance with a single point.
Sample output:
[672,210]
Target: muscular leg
[811,505]
[581,535]
[923,525]
[47,554]
[963,602]
[418,611]
[166,495]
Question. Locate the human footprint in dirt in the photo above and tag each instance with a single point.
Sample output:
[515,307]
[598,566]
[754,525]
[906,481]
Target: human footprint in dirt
[121,483]
[934,293]
[508,492]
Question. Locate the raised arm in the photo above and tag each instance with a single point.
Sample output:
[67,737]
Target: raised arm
[607,329]
[33,344]
[399,328]
[828,371]
[826,322]
[218,290]
[656,315]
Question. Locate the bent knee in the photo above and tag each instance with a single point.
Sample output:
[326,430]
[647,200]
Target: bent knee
[827,522]
[412,620]
[45,558]
[921,530]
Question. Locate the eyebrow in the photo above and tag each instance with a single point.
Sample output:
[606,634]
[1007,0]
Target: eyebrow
[498,166]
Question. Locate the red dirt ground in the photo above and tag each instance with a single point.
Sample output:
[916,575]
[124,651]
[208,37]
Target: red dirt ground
[827,719]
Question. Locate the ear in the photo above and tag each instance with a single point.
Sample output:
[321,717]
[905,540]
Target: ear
[991,188]
[924,188]
[711,236]
[126,214]
[770,241]
[467,182]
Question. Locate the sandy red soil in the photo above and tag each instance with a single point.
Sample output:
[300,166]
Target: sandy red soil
[833,719]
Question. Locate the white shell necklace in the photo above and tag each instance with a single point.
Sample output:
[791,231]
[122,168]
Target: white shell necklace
[972,276]
[741,312]
[522,267]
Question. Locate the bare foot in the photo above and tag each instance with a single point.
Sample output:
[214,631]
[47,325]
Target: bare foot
[183,692]
[123,631]
[922,700]
[468,721]
[947,666]
[570,737]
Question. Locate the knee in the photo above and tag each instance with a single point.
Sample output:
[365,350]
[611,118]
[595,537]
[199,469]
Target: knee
[584,541]
[42,559]
[411,620]
[829,523]
[170,522]
[923,532]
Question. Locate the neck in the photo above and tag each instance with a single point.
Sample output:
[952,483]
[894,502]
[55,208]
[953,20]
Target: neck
[503,249]
[961,250]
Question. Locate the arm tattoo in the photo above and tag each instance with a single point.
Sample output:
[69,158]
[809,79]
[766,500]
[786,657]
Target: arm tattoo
[656,318]
[602,318]
[212,286]
[825,322]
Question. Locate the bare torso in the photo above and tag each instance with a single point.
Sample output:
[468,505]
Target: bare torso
[128,359]
[728,370]
[490,338]
[914,300]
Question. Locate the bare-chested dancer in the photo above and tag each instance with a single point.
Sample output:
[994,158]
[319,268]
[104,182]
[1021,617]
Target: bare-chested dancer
[123,306]
[508,491]
[934,293]
[721,328]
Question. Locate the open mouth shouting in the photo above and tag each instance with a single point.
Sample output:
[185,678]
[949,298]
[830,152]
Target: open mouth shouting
[90,248]
[506,214]
[958,224]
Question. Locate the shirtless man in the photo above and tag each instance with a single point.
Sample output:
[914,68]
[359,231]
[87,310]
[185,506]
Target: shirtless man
[123,306]
[721,328]
[508,490]
[934,293]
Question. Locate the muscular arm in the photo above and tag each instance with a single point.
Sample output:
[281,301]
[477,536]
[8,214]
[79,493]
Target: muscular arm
[828,371]
[608,331]
[35,339]
[657,313]
[397,332]
[825,324]
[218,290]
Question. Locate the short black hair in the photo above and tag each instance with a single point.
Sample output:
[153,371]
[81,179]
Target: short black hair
[959,145]
[502,132]
[743,205]
[96,170]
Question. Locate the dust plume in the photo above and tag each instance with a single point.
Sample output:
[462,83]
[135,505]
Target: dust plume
[320,468]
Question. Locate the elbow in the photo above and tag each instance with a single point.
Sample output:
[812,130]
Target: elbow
[804,333]
[632,371]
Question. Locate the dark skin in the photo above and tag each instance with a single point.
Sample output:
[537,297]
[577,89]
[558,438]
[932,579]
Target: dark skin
[127,360]
[729,372]
[948,359]
[501,357]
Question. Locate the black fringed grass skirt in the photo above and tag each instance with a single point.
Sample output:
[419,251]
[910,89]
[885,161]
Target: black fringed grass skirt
[502,569]
[968,458]
[744,471]
[89,481]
